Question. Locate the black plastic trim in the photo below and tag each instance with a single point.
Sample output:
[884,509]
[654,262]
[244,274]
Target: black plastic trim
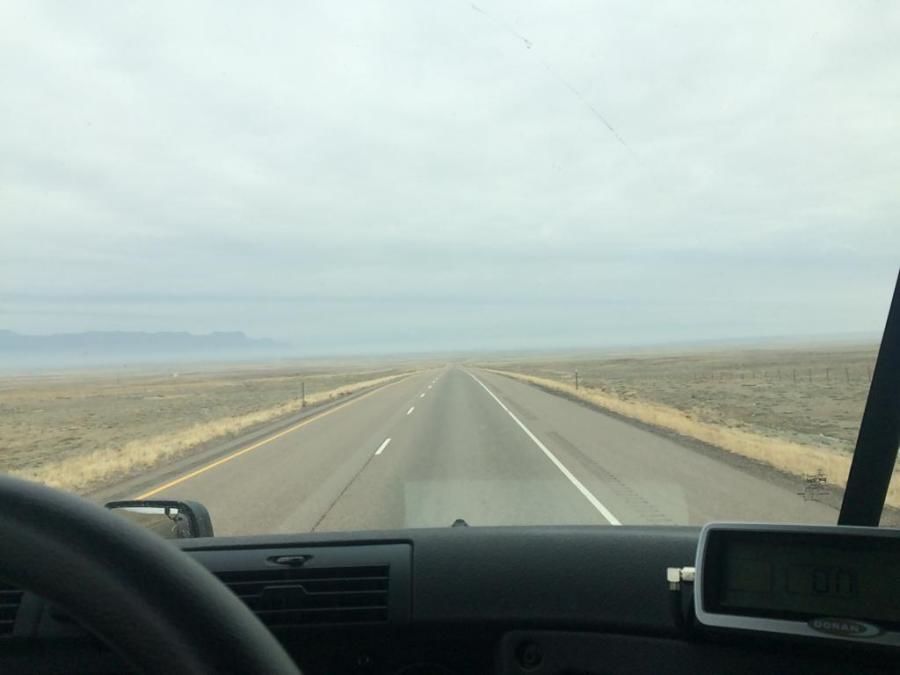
[393,558]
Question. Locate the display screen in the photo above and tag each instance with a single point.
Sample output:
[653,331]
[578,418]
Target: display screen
[802,576]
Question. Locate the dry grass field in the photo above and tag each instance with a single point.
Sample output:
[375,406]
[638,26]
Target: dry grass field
[797,409]
[78,431]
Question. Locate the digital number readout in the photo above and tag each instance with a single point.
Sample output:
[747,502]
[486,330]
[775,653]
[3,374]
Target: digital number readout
[811,581]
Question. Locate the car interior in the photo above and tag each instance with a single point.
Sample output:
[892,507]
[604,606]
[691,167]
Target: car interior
[86,590]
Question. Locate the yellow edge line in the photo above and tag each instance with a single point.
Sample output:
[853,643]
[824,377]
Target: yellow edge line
[259,444]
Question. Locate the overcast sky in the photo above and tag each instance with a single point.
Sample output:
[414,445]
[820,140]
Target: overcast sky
[419,175]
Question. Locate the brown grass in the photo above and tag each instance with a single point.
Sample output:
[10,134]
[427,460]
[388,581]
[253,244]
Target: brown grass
[784,455]
[79,471]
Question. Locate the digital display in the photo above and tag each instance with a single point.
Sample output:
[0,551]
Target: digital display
[802,576]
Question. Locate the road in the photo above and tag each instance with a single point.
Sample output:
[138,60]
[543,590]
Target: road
[465,443]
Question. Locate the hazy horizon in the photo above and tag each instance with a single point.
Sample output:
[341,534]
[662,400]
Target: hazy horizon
[283,354]
[442,177]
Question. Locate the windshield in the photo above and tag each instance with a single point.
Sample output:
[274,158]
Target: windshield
[386,265]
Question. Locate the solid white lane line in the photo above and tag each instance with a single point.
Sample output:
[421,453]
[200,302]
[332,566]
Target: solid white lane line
[409,412]
[382,446]
[596,503]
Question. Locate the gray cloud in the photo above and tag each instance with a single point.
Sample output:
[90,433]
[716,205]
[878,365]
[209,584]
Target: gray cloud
[403,175]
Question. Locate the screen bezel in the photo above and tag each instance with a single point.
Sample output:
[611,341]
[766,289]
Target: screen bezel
[715,536]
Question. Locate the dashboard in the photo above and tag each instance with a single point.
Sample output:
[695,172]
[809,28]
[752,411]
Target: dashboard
[574,600]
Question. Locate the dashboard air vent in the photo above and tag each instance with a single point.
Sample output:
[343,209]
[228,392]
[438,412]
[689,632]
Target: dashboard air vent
[10,599]
[313,596]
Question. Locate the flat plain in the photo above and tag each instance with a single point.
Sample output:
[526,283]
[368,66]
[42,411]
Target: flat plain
[795,408]
[806,394]
[76,430]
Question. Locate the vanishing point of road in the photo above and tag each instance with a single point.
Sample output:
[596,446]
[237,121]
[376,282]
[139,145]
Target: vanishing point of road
[466,443]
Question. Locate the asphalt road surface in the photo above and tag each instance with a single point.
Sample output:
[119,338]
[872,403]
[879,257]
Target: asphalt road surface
[465,443]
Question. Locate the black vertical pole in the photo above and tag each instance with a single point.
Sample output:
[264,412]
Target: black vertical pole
[576,380]
[879,432]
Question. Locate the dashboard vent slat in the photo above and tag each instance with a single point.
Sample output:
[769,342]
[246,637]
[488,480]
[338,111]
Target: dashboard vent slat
[313,596]
[10,600]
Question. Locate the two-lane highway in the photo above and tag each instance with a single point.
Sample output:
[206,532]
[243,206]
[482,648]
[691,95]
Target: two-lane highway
[465,443]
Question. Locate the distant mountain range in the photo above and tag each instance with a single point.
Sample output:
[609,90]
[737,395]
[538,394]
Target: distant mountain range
[132,343]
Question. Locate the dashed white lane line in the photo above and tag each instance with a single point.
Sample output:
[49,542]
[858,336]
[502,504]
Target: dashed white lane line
[382,446]
[429,386]
[422,395]
[409,412]
[596,503]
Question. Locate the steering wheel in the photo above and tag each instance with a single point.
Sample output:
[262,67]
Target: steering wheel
[153,604]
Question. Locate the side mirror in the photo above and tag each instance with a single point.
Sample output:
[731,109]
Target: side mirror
[169,519]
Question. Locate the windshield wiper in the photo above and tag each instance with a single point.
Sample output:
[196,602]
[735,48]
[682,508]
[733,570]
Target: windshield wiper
[879,433]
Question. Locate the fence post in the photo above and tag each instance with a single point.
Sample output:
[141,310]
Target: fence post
[576,380]
[303,394]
